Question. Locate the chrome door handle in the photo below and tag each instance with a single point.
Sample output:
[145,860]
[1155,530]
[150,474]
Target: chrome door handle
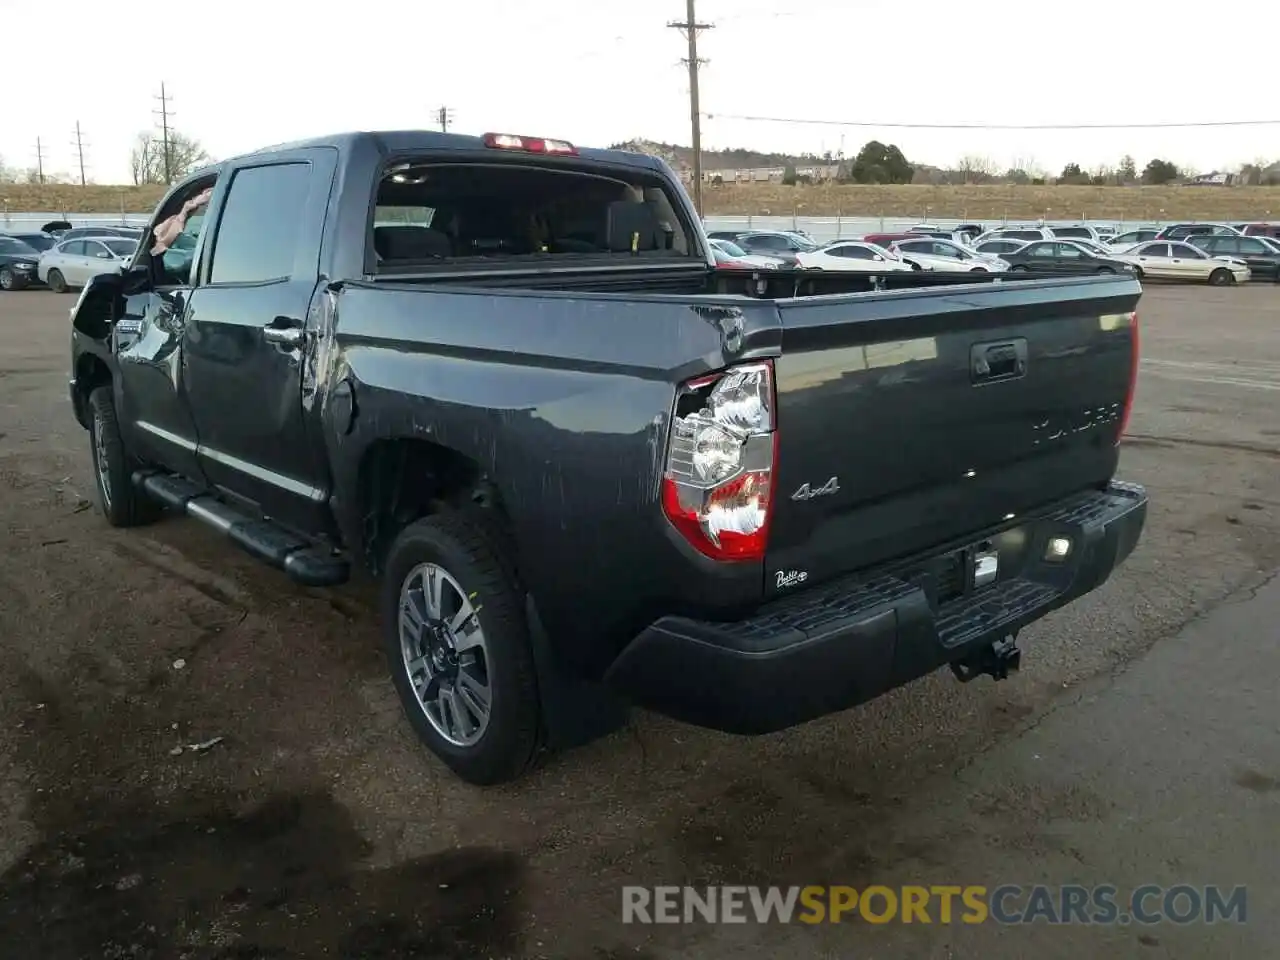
[284,336]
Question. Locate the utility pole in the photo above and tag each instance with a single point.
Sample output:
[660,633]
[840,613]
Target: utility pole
[165,114]
[444,116]
[690,27]
[80,153]
[39,160]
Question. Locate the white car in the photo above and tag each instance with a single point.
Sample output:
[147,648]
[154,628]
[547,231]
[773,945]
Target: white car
[73,263]
[853,255]
[738,255]
[1171,260]
[947,256]
[1016,233]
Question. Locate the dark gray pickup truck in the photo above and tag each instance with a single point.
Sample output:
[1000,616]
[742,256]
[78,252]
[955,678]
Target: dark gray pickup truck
[503,376]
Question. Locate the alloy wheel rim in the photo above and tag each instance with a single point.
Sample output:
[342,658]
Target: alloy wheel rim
[445,654]
[100,462]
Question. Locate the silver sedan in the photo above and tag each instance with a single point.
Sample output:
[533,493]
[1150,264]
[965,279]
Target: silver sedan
[73,263]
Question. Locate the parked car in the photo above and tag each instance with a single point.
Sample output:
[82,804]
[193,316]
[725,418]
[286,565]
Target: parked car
[781,244]
[1259,229]
[737,258]
[37,240]
[726,234]
[18,262]
[1077,231]
[77,233]
[1015,233]
[1064,256]
[1131,237]
[588,478]
[999,247]
[887,239]
[72,263]
[1263,260]
[1180,231]
[1181,261]
[854,255]
[947,255]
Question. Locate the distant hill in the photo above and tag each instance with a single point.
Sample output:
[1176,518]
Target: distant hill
[681,158]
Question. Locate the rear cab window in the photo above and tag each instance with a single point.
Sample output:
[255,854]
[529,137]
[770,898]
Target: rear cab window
[441,213]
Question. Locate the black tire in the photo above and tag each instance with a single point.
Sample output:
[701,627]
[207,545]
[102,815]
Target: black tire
[1019,267]
[1105,272]
[57,282]
[1137,272]
[10,281]
[978,270]
[123,504]
[914,265]
[1221,277]
[469,549]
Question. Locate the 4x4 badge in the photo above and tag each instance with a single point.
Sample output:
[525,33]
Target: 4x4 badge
[807,493]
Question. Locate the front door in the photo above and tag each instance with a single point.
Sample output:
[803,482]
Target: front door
[246,338]
[147,340]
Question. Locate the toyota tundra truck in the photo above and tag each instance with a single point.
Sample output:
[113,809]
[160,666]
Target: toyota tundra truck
[503,377]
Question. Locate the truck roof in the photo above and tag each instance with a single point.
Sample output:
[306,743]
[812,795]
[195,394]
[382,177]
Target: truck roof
[404,141]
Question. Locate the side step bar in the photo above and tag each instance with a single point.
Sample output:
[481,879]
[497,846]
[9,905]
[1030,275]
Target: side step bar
[301,560]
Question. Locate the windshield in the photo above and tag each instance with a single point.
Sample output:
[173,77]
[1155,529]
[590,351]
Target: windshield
[36,241]
[15,246]
[1093,248]
[121,248]
[731,248]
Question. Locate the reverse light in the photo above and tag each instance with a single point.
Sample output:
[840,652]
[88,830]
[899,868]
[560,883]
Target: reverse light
[511,141]
[717,489]
[1133,377]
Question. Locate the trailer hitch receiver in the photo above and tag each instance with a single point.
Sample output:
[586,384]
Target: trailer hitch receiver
[997,660]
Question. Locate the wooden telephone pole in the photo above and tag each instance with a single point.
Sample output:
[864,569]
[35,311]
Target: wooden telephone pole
[690,27]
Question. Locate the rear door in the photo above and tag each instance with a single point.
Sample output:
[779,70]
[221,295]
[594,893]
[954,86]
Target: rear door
[908,419]
[246,337]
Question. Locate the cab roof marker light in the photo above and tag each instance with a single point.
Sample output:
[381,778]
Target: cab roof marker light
[511,141]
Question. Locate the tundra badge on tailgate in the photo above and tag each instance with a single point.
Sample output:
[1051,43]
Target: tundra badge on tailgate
[808,493]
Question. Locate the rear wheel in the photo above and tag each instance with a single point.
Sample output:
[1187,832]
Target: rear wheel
[978,270]
[57,282]
[458,647]
[1104,271]
[1221,277]
[1019,268]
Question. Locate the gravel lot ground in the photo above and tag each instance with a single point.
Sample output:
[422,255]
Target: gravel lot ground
[317,826]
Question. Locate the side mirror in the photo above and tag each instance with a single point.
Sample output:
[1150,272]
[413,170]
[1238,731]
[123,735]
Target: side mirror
[878,257]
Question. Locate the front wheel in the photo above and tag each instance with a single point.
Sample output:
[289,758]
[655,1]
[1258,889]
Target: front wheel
[57,282]
[1019,268]
[1221,277]
[10,281]
[119,500]
[458,647]
[978,270]
[1105,272]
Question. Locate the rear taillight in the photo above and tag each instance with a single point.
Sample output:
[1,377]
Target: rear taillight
[1133,377]
[717,489]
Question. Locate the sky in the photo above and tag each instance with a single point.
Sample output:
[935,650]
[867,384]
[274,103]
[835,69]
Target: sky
[242,75]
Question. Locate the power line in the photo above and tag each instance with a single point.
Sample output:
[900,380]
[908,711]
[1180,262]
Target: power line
[444,117]
[166,144]
[996,126]
[690,27]
[39,160]
[79,145]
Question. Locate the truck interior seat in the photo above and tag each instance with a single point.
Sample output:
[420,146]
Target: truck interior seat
[411,243]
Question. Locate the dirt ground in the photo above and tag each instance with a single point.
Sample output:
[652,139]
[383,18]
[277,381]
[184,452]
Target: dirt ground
[316,826]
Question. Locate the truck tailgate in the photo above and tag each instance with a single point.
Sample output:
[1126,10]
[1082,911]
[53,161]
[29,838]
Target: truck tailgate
[909,419]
